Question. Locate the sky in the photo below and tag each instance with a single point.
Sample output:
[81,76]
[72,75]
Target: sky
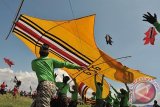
[121,19]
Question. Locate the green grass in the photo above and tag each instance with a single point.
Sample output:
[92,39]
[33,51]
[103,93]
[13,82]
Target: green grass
[8,100]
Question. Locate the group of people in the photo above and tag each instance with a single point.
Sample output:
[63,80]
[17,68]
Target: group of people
[4,89]
[120,99]
[61,99]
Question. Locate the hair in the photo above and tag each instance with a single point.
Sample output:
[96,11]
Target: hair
[93,93]
[123,91]
[44,50]
[99,84]
[155,101]
[65,79]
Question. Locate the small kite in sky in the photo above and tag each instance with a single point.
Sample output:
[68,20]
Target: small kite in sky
[8,61]
[150,36]
[108,39]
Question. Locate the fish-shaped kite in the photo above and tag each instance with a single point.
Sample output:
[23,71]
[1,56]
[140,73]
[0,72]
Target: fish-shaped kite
[8,61]
[150,36]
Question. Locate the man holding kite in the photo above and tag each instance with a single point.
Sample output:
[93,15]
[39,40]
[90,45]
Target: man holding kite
[44,68]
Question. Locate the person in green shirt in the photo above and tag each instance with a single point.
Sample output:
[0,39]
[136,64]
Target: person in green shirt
[44,68]
[116,101]
[152,20]
[93,98]
[108,100]
[99,90]
[63,88]
[74,94]
[123,95]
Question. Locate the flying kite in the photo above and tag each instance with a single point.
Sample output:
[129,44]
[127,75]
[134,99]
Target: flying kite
[108,39]
[73,41]
[8,61]
[150,36]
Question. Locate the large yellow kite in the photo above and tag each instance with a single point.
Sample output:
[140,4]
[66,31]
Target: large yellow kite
[73,41]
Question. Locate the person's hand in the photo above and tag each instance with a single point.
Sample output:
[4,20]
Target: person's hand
[149,18]
[83,68]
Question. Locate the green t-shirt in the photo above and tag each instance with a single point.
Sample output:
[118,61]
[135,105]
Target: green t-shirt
[99,90]
[109,99]
[44,67]
[124,99]
[63,88]
[74,95]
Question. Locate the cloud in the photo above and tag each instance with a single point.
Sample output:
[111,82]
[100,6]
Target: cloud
[27,78]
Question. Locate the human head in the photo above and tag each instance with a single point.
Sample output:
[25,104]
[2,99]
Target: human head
[99,84]
[123,91]
[155,101]
[65,79]
[73,87]
[93,93]
[44,50]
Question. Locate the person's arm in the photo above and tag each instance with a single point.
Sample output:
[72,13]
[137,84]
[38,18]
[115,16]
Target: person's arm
[95,79]
[157,26]
[127,87]
[102,79]
[152,20]
[114,90]
[60,64]
[76,85]
[112,97]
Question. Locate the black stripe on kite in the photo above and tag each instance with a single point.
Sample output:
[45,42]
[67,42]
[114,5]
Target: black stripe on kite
[34,42]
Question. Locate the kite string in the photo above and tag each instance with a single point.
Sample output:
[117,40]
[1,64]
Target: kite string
[45,33]
[104,62]
[73,15]
[13,24]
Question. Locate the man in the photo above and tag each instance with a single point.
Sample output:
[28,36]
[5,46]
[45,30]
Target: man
[152,20]
[3,85]
[155,104]
[108,100]
[74,94]
[93,98]
[99,90]
[63,88]
[123,95]
[44,67]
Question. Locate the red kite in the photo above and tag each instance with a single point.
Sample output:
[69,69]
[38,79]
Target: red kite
[150,36]
[9,62]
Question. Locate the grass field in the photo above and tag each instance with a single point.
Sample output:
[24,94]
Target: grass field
[8,100]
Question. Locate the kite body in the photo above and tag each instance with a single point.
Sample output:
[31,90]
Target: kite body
[108,39]
[8,61]
[150,36]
